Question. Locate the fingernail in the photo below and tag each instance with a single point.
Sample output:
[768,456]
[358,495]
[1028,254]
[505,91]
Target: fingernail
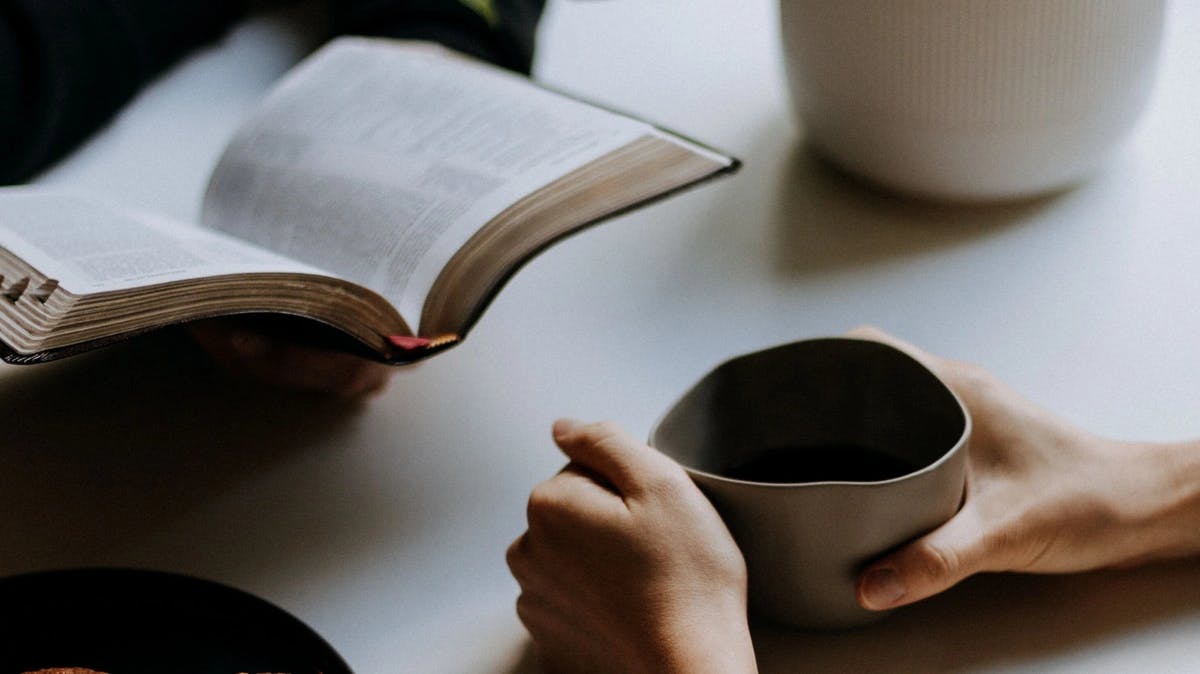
[564,426]
[882,588]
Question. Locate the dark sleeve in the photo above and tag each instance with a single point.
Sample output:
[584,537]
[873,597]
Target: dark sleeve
[500,31]
[67,65]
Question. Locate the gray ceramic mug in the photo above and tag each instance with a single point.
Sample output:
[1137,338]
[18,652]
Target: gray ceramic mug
[820,455]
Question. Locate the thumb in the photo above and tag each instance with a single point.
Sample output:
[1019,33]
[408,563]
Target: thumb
[926,566]
[871,333]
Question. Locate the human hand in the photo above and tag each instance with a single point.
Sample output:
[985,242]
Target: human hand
[1042,496]
[255,355]
[626,566]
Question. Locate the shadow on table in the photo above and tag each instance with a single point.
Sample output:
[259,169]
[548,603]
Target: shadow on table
[987,621]
[992,620]
[825,219]
[105,448]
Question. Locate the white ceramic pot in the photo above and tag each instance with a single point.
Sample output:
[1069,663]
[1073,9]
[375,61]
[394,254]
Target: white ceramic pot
[970,99]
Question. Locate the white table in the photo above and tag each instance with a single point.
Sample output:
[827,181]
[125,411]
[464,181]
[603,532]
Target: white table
[384,527]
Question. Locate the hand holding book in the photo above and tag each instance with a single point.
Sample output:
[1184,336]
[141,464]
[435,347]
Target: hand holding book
[384,189]
[248,352]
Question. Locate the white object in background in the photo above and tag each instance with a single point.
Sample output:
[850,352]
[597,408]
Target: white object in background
[970,99]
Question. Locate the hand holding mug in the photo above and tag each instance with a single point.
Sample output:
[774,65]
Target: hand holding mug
[626,566]
[1042,497]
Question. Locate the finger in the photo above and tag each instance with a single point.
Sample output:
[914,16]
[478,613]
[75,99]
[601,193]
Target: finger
[535,566]
[575,470]
[518,557]
[292,366]
[536,614]
[305,368]
[630,466]
[554,628]
[216,341]
[565,638]
[572,502]
[972,383]
[927,566]
[874,334]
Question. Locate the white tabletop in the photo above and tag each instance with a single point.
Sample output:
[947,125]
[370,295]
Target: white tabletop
[384,527]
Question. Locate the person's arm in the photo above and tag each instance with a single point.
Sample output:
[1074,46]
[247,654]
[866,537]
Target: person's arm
[67,66]
[500,31]
[1042,497]
[626,566]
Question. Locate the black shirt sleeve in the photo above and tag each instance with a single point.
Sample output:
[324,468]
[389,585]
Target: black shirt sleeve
[66,66]
[500,31]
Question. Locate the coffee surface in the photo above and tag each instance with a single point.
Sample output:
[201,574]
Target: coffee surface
[820,463]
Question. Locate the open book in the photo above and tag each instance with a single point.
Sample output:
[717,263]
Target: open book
[387,189]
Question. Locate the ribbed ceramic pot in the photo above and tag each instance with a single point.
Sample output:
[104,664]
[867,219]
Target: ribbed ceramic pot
[804,542]
[970,99]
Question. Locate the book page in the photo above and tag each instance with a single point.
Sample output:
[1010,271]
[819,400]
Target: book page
[89,247]
[378,160]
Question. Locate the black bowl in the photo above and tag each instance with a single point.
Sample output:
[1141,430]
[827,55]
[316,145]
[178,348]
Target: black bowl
[125,621]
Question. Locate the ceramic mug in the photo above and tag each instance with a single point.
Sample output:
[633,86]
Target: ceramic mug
[970,99]
[820,455]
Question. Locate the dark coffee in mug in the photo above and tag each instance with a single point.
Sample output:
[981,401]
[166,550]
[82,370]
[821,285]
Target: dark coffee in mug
[833,462]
